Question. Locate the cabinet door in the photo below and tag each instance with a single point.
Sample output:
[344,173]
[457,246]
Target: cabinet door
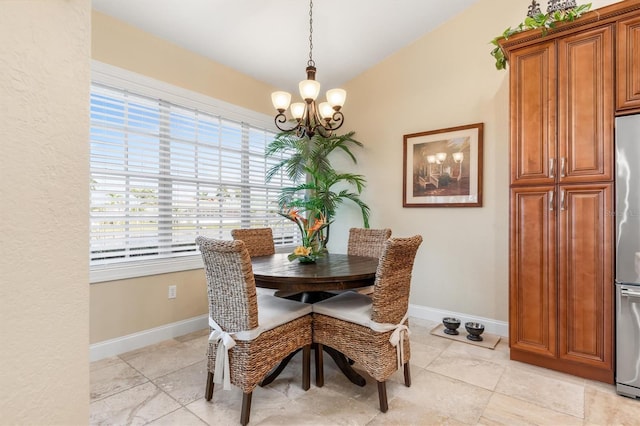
[586,274]
[628,64]
[585,106]
[532,289]
[532,81]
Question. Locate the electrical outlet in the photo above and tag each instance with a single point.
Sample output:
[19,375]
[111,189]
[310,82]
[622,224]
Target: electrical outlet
[172,292]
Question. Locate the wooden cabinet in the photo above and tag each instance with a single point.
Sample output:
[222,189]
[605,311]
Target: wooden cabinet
[585,296]
[628,64]
[533,292]
[533,106]
[585,106]
[562,109]
[561,297]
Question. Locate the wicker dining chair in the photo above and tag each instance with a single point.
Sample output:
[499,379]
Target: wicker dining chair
[259,242]
[372,330]
[367,242]
[250,334]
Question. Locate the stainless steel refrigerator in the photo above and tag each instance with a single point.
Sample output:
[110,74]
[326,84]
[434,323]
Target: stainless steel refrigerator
[628,255]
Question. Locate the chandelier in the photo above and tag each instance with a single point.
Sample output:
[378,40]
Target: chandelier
[310,118]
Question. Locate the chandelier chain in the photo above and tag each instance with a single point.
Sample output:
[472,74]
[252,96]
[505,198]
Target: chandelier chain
[311,62]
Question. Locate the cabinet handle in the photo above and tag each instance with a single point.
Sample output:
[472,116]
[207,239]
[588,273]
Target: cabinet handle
[625,292]
[562,162]
[552,166]
[551,200]
[562,200]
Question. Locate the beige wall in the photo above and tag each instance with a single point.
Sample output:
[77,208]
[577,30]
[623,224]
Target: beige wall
[123,307]
[445,79]
[44,182]
[117,43]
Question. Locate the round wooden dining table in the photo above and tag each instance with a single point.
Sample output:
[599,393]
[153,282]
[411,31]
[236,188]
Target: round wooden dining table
[330,272]
[311,281]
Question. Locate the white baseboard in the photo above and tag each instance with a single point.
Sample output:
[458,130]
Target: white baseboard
[130,342]
[501,328]
[134,341]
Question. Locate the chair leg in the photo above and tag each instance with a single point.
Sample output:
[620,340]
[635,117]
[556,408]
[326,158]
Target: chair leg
[246,408]
[382,396]
[208,393]
[407,375]
[319,366]
[306,367]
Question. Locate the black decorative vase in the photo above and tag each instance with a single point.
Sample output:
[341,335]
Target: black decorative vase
[451,325]
[475,329]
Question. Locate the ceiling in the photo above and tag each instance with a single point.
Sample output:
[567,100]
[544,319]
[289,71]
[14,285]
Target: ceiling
[269,39]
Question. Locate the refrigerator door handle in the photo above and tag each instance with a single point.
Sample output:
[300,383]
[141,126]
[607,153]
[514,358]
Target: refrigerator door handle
[625,292]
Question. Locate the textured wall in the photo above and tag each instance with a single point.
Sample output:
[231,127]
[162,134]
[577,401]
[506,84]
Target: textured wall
[44,292]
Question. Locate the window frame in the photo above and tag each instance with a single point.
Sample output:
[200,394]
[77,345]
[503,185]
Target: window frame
[109,75]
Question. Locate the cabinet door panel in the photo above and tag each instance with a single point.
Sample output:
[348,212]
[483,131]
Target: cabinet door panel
[586,274]
[628,64]
[532,295]
[585,106]
[533,114]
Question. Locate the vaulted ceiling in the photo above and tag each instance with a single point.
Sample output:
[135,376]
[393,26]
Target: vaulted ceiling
[269,39]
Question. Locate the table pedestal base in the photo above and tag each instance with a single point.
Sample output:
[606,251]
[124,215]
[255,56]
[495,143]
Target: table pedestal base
[341,362]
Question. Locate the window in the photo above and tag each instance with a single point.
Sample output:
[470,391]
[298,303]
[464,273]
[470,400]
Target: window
[165,169]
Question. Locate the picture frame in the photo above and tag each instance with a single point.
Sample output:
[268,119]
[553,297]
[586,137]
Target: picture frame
[443,168]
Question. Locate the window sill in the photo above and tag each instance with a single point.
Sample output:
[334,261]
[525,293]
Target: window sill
[143,268]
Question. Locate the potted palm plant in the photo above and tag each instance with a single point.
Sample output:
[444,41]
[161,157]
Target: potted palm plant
[306,162]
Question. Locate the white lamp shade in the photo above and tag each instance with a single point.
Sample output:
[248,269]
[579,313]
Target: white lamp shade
[441,156]
[297,110]
[336,97]
[457,156]
[281,100]
[431,159]
[325,110]
[309,89]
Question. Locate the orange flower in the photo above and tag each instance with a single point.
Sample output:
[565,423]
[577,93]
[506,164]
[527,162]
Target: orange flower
[317,225]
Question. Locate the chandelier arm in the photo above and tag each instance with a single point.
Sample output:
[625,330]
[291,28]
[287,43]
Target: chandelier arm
[338,117]
[281,118]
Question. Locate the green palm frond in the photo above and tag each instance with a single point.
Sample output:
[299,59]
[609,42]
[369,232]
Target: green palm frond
[306,162]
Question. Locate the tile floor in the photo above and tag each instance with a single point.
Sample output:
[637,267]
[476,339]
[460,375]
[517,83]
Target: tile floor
[452,383]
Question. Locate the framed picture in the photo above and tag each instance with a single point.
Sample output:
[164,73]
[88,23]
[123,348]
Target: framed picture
[443,168]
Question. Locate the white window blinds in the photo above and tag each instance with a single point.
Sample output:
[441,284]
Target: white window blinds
[163,173]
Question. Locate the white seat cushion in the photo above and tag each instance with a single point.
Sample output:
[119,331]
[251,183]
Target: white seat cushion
[348,306]
[265,291]
[274,311]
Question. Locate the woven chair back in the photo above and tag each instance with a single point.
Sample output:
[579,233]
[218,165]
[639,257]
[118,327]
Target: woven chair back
[393,279]
[259,241]
[367,242]
[230,284]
